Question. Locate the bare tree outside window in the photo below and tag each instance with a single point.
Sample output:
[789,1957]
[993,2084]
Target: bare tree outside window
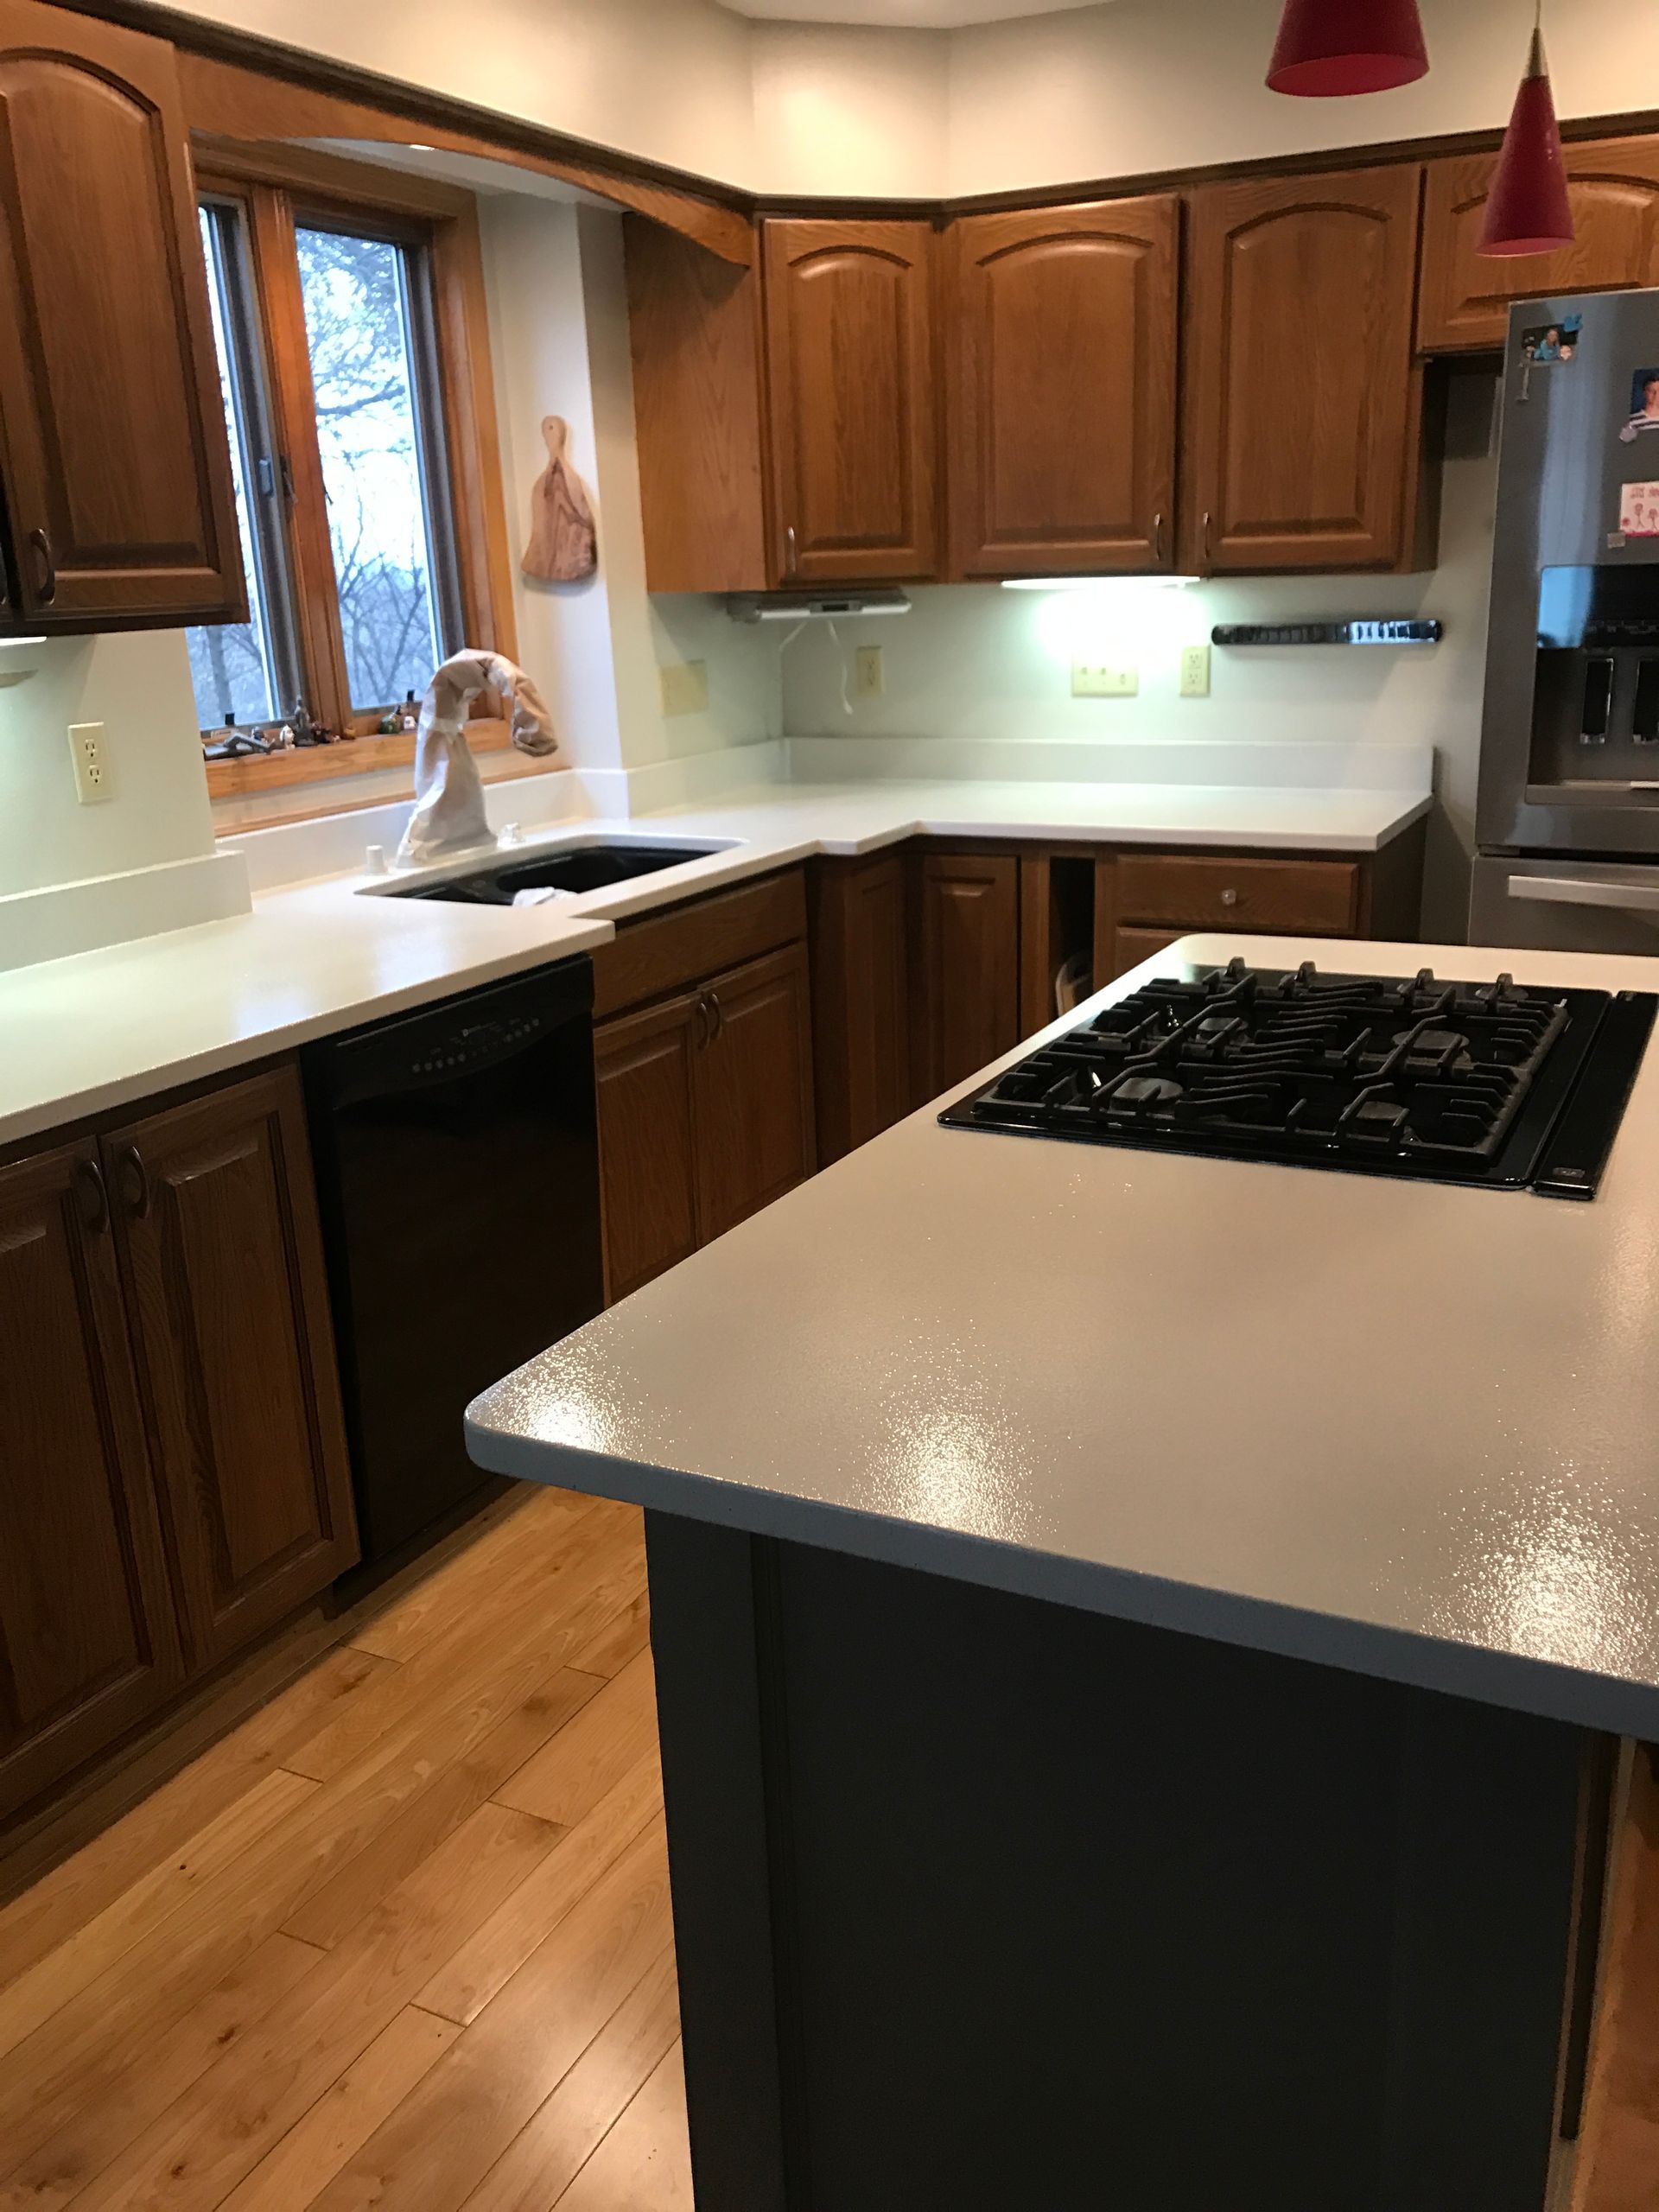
[357,324]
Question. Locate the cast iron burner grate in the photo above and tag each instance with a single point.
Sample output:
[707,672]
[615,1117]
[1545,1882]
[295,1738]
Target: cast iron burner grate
[1465,1082]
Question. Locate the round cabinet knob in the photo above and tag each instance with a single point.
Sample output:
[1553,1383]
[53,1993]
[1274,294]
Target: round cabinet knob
[1229,898]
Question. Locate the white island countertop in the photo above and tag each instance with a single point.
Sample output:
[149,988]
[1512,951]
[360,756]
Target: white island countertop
[101,1030]
[1395,1426]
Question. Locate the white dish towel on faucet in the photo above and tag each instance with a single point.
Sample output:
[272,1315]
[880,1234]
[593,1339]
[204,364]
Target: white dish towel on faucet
[449,815]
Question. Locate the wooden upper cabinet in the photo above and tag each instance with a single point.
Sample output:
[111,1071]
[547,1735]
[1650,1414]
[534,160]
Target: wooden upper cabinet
[112,440]
[1465,298]
[852,398]
[88,1642]
[1302,403]
[217,1215]
[1062,388]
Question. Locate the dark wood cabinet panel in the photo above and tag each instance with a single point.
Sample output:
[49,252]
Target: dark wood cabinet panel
[1303,403]
[968,964]
[1464,299]
[643,1067]
[694,325]
[1062,346]
[861,998]
[116,464]
[754,1074]
[852,394]
[217,1217]
[88,1640]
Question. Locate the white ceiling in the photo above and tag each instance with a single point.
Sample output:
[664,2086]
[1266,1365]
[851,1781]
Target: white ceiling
[926,14]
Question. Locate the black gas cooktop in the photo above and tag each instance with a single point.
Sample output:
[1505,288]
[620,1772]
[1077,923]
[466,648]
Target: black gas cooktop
[1491,1083]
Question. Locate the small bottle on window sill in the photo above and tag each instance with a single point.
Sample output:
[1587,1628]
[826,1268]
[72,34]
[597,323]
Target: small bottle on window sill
[389,724]
[411,717]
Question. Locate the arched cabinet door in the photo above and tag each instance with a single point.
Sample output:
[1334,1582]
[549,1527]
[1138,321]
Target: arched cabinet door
[852,395]
[1302,398]
[1463,305]
[112,439]
[1062,388]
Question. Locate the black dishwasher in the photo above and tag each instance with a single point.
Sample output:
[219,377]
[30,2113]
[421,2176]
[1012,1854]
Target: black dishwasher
[458,1170]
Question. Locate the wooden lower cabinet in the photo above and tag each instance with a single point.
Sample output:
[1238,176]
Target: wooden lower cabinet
[705,1112]
[968,964]
[217,1221]
[861,998]
[89,1644]
[644,1073]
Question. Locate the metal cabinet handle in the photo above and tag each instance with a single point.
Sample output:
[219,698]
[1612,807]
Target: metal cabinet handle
[1204,537]
[1229,898]
[48,588]
[719,1013]
[134,1181]
[789,550]
[703,1025]
[1575,891]
[94,1196]
[1158,537]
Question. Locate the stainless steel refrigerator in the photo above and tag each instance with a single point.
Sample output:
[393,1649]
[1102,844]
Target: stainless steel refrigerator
[1567,818]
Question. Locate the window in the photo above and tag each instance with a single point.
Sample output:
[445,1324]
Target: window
[349,446]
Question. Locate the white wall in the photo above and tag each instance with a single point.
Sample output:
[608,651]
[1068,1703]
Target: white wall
[1127,86]
[559,338]
[847,109]
[979,662]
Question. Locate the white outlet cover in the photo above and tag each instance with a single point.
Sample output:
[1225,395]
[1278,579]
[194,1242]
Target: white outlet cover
[1195,671]
[90,763]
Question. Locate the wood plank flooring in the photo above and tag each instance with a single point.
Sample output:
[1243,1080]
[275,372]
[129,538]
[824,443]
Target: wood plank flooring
[400,1939]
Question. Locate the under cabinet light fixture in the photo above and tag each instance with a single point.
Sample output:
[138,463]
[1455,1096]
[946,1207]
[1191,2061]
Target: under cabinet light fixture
[6,643]
[1096,583]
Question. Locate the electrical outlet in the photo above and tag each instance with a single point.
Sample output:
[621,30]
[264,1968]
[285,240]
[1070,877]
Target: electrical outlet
[685,687]
[92,770]
[1195,671]
[872,680]
[1093,679]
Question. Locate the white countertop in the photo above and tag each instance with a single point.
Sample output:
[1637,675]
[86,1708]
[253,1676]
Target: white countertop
[1402,1427]
[105,1029]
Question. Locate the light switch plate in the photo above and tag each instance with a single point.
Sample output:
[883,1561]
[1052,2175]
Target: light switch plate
[92,769]
[1093,679]
[871,680]
[685,687]
[1195,671]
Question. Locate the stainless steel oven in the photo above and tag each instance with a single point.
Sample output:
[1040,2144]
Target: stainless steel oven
[1567,905]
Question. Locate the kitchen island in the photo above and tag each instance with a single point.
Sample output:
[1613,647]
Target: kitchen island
[1142,1643]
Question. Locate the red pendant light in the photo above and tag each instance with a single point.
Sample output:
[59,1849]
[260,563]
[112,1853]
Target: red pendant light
[1331,47]
[1528,210]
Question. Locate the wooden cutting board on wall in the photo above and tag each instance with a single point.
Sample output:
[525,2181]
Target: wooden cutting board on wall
[562,546]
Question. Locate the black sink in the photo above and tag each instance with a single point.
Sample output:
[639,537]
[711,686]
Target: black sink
[583,868]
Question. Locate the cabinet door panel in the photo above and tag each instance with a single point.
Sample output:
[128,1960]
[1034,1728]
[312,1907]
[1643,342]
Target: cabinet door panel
[1301,389]
[1613,185]
[969,956]
[647,1138]
[861,999]
[116,460]
[755,1090]
[88,1638]
[218,1216]
[1062,445]
[851,385]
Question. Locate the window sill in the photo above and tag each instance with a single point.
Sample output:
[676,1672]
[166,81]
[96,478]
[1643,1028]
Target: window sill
[314,764]
[341,779]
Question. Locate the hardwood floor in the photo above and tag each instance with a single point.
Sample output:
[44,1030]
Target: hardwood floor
[400,1939]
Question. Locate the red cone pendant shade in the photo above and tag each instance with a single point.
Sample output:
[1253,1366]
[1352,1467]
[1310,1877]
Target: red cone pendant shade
[1527,211]
[1330,47]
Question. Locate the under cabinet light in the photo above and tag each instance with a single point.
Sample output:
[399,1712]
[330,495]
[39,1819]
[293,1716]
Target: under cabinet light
[6,643]
[1096,583]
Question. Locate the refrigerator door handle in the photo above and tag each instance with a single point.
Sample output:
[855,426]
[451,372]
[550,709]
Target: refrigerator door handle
[1576,890]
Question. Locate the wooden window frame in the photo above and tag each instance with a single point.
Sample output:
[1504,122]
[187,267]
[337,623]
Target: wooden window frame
[278,190]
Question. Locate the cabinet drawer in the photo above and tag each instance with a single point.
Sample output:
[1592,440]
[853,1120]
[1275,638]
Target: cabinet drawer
[1181,893]
[684,945]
